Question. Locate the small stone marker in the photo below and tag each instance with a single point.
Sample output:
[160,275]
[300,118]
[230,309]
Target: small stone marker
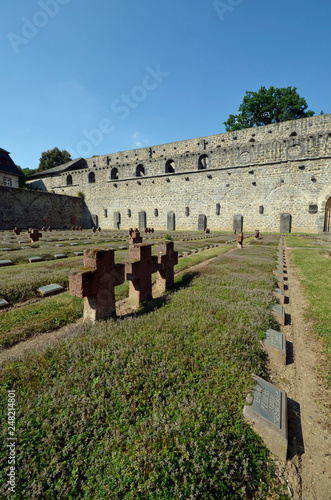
[167,259]
[279,313]
[279,295]
[59,256]
[48,290]
[60,245]
[256,234]
[96,283]
[275,345]
[3,303]
[79,253]
[268,416]
[139,270]
[278,273]
[17,231]
[240,239]
[6,249]
[6,262]
[35,259]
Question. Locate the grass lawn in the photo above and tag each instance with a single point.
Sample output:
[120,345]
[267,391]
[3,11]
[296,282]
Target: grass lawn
[150,407]
[315,272]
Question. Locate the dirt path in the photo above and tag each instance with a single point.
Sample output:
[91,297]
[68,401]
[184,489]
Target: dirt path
[308,470]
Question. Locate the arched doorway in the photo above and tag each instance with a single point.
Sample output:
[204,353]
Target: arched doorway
[327,218]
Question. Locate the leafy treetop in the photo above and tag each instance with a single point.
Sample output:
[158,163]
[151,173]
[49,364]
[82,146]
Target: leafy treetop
[266,106]
[52,158]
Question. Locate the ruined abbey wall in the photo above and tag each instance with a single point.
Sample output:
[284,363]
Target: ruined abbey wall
[26,208]
[259,173]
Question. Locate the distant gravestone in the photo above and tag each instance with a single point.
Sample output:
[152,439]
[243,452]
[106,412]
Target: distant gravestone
[268,416]
[171,221]
[285,223]
[238,223]
[117,220]
[48,290]
[280,295]
[35,259]
[142,221]
[5,262]
[275,345]
[3,303]
[202,222]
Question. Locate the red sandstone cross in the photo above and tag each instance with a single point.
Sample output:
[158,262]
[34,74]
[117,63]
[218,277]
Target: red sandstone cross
[167,259]
[135,237]
[34,235]
[139,270]
[96,283]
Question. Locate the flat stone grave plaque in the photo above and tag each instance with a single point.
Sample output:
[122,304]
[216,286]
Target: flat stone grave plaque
[279,313]
[275,345]
[280,295]
[6,249]
[79,253]
[59,245]
[280,283]
[35,259]
[73,244]
[123,248]
[268,416]
[279,273]
[5,262]
[3,303]
[59,256]
[47,290]
[26,248]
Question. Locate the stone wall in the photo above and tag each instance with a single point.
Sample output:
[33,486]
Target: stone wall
[259,173]
[25,208]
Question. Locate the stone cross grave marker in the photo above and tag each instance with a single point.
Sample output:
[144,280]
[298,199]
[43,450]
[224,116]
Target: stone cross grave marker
[34,235]
[139,270]
[17,231]
[96,283]
[268,416]
[240,240]
[167,259]
[135,237]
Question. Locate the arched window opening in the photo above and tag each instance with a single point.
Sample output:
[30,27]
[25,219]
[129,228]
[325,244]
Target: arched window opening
[140,171]
[69,180]
[170,167]
[114,174]
[91,177]
[203,162]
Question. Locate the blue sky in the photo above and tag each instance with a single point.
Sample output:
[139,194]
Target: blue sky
[97,77]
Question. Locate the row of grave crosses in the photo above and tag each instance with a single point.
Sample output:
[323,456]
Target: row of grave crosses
[96,282]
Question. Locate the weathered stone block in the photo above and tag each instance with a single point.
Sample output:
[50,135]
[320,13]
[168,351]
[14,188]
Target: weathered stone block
[48,290]
[279,313]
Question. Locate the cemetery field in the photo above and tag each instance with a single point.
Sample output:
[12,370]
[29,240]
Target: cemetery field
[151,406]
[314,268]
[49,314]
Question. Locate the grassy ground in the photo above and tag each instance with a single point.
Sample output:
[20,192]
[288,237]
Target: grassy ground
[314,269]
[20,324]
[151,407]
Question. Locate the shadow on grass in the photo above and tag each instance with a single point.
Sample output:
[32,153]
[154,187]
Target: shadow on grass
[146,307]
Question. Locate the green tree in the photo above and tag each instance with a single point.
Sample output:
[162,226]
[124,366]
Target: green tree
[53,158]
[266,106]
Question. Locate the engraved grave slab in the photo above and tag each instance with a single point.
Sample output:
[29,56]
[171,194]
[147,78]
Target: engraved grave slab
[275,345]
[48,290]
[268,416]
[279,295]
[279,313]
